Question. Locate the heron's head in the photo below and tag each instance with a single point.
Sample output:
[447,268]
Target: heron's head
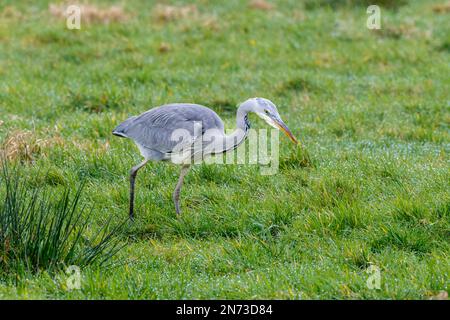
[267,110]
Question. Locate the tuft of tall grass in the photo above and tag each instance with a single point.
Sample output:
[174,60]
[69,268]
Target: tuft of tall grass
[299,157]
[41,230]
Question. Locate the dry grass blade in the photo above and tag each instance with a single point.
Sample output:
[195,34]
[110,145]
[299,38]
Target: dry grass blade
[10,12]
[164,47]
[24,146]
[441,295]
[167,13]
[92,13]
[442,8]
[261,5]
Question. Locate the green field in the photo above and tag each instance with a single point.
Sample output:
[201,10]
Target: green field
[371,107]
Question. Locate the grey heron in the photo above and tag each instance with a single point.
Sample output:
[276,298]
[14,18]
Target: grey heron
[153,133]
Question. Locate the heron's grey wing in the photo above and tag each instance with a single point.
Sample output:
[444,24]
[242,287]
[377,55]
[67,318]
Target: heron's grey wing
[154,129]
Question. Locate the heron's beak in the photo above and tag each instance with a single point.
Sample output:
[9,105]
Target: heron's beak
[283,127]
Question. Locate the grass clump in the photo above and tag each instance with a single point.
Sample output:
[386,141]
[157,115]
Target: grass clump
[24,146]
[41,231]
[299,157]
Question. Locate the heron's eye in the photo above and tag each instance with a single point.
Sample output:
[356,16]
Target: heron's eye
[266,111]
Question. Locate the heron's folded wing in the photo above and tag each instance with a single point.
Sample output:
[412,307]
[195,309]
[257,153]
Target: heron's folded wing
[171,127]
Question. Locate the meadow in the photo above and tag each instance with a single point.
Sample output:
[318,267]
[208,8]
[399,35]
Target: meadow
[371,108]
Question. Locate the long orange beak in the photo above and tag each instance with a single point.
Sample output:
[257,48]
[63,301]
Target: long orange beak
[283,127]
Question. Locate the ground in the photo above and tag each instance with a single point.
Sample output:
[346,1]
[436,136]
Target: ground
[371,107]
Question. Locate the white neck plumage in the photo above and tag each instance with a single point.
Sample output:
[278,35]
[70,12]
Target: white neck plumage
[239,135]
[233,140]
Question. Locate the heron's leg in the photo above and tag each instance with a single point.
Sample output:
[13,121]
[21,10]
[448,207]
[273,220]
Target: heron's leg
[176,192]
[133,173]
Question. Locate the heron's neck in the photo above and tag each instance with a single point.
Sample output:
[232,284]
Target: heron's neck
[242,122]
[238,136]
[232,141]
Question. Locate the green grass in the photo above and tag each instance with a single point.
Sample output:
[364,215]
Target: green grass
[371,108]
[41,230]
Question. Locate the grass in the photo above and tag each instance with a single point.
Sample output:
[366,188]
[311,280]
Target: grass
[40,233]
[371,108]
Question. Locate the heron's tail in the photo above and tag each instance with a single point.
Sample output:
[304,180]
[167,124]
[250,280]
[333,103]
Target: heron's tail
[119,134]
[121,129]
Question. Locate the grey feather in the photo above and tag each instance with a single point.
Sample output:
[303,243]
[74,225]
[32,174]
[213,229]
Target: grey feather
[153,129]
